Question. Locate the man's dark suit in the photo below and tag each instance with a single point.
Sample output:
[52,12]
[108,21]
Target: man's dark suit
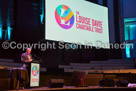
[25,59]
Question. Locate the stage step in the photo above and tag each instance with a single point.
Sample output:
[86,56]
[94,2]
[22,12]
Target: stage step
[111,64]
[104,68]
[113,61]
[101,65]
[7,60]
[97,67]
[103,71]
[11,64]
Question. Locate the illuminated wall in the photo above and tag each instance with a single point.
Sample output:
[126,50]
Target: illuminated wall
[130,36]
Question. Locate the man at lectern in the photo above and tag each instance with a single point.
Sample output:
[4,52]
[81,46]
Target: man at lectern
[26,58]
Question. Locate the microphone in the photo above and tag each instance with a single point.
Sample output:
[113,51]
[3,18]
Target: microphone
[36,58]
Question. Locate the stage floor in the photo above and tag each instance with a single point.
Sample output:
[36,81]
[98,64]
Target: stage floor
[70,88]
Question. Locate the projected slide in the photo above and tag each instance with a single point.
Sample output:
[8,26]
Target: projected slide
[76,21]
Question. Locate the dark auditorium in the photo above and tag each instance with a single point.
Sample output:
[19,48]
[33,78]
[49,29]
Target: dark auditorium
[67,45]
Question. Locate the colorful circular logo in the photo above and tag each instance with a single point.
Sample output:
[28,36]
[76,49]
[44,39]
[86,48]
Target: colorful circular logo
[64,16]
[35,70]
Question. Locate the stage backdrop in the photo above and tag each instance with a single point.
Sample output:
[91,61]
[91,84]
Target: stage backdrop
[76,21]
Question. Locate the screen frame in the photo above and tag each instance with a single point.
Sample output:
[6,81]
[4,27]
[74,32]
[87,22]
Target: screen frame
[45,38]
